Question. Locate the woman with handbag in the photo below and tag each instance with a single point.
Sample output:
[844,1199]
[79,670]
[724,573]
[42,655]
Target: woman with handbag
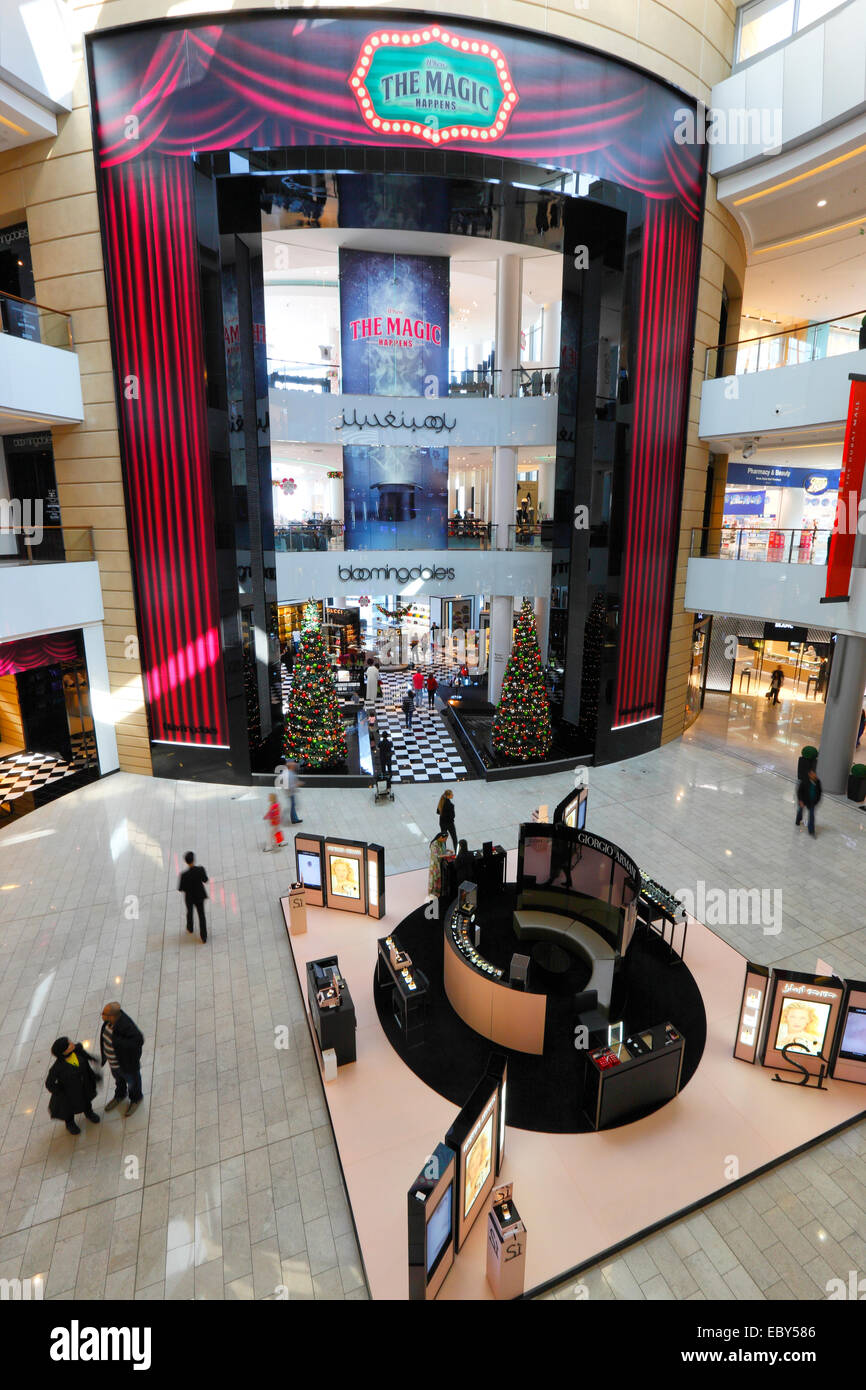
[445,812]
[73,1084]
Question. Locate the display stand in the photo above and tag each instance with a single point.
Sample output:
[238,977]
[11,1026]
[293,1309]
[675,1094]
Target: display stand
[506,1247]
[626,1077]
[333,1027]
[296,919]
[409,990]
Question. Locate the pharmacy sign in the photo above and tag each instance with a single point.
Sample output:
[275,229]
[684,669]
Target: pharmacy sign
[434,85]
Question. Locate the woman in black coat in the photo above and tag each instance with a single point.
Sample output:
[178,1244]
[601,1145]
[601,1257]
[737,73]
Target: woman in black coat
[445,811]
[72,1083]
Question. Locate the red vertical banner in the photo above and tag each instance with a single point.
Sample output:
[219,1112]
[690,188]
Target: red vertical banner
[841,553]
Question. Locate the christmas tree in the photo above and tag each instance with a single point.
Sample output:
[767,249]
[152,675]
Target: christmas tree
[521,724]
[314,735]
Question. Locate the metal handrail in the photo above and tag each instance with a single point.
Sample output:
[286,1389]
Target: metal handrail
[73,550]
[811,326]
[798,545]
[41,309]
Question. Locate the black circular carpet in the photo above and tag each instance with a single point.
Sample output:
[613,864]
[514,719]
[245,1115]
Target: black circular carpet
[544,1093]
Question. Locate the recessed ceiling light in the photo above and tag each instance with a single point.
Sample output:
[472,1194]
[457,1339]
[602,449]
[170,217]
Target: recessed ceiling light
[822,203]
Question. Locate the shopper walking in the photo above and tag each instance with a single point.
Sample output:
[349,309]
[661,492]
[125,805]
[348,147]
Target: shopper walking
[386,753]
[192,884]
[120,1043]
[432,687]
[862,726]
[808,796]
[72,1083]
[777,680]
[292,784]
[418,685]
[273,817]
[445,812]
[408,707]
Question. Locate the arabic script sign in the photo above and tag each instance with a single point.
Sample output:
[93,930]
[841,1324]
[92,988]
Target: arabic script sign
[433,85]
[432,424]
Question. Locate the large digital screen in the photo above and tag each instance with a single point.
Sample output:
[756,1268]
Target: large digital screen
[310,869]
[439,1226]
[853,1044]
[395,497]
[479,1163]
[803,1022]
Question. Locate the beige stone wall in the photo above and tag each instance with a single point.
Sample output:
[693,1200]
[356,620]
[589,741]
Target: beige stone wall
[53,183]
[687,42]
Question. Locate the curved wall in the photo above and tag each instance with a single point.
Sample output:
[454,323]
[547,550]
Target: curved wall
[53,182]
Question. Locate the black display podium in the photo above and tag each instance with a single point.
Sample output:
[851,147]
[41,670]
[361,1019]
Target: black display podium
[409,993]
[623,1078]
[334,1027]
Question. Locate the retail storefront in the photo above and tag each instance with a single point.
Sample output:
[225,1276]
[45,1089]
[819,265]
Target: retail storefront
[382,279]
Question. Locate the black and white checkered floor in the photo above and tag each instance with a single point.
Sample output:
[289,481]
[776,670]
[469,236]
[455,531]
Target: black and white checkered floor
[25,772]
[424,753]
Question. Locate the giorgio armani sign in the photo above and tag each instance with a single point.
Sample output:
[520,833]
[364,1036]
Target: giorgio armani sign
[403,576]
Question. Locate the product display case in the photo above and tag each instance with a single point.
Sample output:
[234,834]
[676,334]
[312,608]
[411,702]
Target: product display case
[506,1245]
[431,1205]
[849,1054]
[409,989]
[624,1077]
[475,1139]
[752,1012]
[332,1012]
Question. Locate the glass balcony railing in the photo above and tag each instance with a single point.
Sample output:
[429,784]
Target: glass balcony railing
[536,537]
[535,381]
[325,378]
[809,343]
[22,318]
[44,545]
[798,546]
[465,534]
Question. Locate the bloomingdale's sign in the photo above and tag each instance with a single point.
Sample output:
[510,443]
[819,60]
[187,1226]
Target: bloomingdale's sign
[433,84]
[403,576]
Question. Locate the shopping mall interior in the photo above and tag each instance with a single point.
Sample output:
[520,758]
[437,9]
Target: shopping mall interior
[446,428]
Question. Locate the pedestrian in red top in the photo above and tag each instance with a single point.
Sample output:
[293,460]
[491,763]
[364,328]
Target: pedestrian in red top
[432,687]
[272,816]
[418,685]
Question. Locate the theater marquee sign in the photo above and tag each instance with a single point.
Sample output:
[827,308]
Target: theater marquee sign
[433,85]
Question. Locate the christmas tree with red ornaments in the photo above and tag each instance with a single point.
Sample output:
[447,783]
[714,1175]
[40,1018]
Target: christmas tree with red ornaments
[315,735]
[521,724]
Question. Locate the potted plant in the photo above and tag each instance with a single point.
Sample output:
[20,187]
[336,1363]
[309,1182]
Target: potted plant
[857,782]
[806,762]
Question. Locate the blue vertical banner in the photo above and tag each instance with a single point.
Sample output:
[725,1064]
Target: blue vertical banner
[394,324]
[395,497]
[394,313]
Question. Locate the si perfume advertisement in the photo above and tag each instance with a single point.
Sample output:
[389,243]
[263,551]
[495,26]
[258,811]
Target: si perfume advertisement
[395,497]
[394,324]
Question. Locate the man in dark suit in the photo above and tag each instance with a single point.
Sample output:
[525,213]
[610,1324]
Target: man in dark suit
[120,1042]
[192,884]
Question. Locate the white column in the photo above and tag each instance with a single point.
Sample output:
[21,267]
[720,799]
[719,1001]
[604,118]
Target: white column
[508,291]
[550,345]
[101,703]
[501,629]
[542,625]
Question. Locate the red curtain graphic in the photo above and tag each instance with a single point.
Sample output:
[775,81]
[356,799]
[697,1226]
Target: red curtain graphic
[26,653]
[157,335]
[273,82]
[658,446]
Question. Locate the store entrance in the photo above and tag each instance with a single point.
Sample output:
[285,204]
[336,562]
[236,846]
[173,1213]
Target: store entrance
[805,667]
